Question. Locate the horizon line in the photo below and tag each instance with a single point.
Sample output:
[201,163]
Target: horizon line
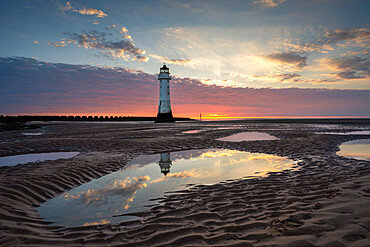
[195,118]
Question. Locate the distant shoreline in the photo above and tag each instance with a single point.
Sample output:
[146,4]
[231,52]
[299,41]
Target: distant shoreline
[29,118]
[35,118]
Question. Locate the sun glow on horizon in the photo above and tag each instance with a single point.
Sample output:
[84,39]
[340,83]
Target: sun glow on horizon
[205,117]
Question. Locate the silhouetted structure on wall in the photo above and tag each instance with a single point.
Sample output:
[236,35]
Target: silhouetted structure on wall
[22,119]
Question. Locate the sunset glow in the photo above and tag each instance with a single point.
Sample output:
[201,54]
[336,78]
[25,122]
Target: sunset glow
[234,60]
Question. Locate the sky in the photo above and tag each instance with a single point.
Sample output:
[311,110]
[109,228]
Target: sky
[247,58]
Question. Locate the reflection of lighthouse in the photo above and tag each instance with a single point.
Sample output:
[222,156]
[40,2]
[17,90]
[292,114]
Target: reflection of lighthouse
[165,163]
[164,108]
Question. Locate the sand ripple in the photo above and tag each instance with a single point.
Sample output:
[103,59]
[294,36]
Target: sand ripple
[324,203]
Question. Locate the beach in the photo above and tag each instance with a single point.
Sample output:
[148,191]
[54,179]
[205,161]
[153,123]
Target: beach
[324,202]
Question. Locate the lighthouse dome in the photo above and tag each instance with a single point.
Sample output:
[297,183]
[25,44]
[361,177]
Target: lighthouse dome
[164,69]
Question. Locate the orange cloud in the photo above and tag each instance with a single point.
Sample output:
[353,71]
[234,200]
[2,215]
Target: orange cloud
[90,11]
[269,3]
[84,10]
[101,222]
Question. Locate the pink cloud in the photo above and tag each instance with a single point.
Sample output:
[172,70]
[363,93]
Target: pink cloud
[30,86]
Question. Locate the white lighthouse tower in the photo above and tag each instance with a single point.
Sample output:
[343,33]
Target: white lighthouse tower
[164,108]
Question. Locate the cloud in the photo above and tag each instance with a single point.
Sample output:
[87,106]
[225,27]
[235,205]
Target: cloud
[84,10]
[66,7]
[124,188]
[111,26]
[269,3]
[36,42]
[101,222]
[56,44]
[178,61]
[302,47]
[140,58]
[285,77]
[355,39]
[356,34]
[288,58]
[90,11]
[99,41]
[322,81]
[124,31]
[282,78]
[349,68]
[182,174]
[30,86]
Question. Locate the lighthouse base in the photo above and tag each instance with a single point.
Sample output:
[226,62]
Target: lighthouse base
[164,118]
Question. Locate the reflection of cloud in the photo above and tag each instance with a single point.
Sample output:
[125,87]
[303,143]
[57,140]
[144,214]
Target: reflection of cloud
[126,205]
[68,196]
[219,153]
[182,174]
[358,149]
[123,188]
[354,155]
[159,179]
[103,221]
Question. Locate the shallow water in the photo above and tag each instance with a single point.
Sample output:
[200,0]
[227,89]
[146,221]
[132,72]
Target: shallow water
[248,136]
[359,132]
[26,158]
[33,134]
[150,176]
[192,131]
[357,149]
[207,129]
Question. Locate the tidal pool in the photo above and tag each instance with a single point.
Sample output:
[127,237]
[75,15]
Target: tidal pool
[207,129]
[359,132]
[33,134]
[357,149]
[27,158]
[248,136]
[192,131]
[150,176]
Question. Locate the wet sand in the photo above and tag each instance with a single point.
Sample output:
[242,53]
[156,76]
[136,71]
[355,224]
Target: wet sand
[324,203]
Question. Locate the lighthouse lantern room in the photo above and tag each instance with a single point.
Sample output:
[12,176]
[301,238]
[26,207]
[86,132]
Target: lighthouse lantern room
[164,108]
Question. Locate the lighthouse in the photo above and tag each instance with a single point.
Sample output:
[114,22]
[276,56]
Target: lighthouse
[164,108]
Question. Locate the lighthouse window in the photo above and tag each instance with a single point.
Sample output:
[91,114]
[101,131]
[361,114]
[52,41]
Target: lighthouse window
[168,93]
